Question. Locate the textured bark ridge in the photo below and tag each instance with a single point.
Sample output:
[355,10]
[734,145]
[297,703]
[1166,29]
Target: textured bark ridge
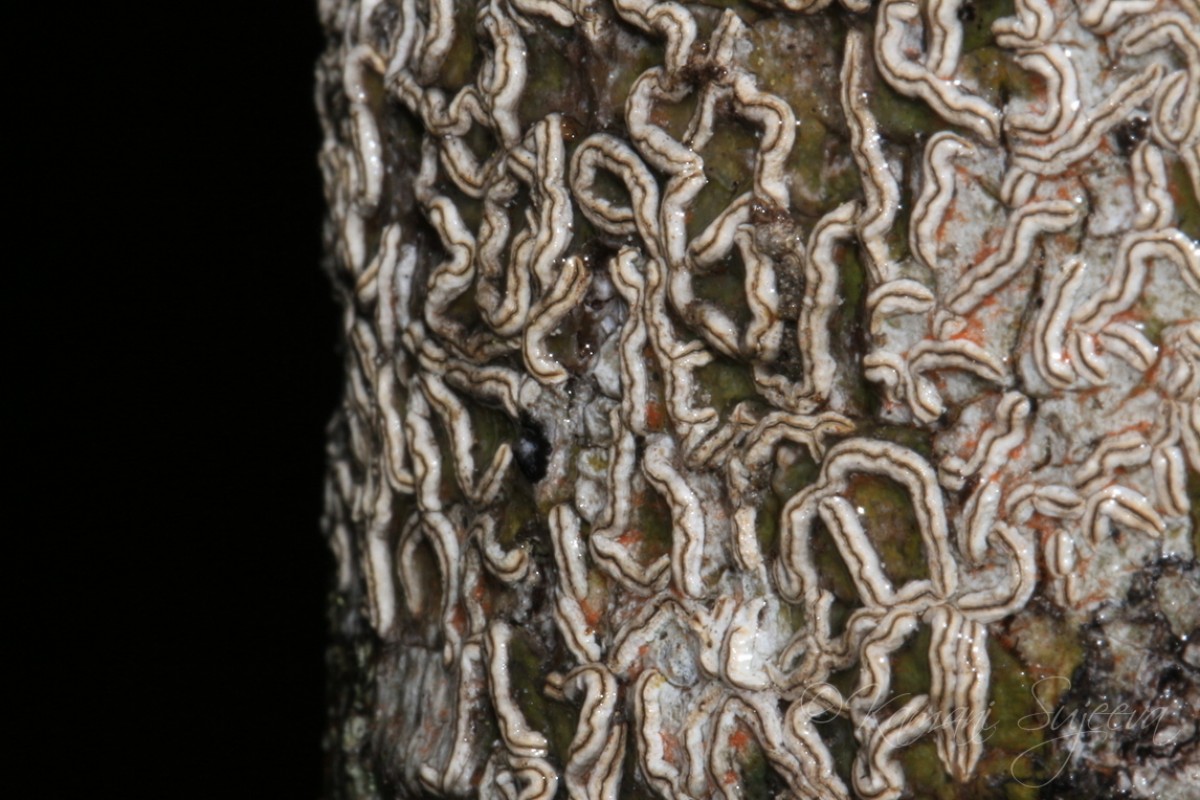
[793,398]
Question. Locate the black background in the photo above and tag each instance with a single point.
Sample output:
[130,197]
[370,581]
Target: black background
[177,359]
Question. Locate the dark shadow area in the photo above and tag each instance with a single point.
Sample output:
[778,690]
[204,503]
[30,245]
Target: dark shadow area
[270,320]
[190,344]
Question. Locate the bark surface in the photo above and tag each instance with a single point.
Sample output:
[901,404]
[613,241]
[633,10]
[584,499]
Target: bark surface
[788,399]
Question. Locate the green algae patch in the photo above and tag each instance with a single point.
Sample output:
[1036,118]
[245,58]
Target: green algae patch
[910,667]
[730,154]
[1193,493]
[492,428]
[745,10]
[517,509]
[900,118]
[1050,648]
[449,491]
[853,277]
[465,311]
[924,773]
[766,528]
[610,80]
[1003,773]
[977,17]
[1013,702]
[675,118]
[997,76]
[756,772]
[897,235]
[834,576]
[1187,206]
[727,383]
[847,326]
[793,614]
[376,91]
[482,144]
[552,83]
[527,669]
[919,440]
[845,680]
[780,44]
[798,475]
[994,780]
[462,62]
[597,459]
[1008,769]
[1012,735]
[822,170]
[725,287]
[1152,325]
[729,159]
[607,186]
[838,735]
[820,162]
[891,524]
[632,787]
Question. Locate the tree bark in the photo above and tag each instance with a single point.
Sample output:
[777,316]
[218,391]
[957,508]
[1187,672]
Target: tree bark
[788,398]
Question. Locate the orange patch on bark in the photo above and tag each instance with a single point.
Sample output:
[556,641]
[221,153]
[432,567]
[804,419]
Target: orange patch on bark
[630,537]
[1140,427]
[655,416]
[1037,85]
[591,615]
[973,332]
[984,254]
[670,748]
[949,216]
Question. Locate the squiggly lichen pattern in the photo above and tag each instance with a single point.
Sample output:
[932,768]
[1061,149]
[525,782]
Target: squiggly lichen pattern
[691,385]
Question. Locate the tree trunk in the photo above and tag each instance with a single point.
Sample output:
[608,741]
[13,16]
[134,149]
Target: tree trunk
[785,398]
